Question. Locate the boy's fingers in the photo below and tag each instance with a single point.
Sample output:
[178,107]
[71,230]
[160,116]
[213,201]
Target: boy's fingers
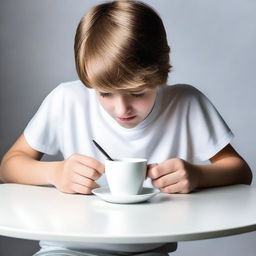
[161,169]
[90,162]
[81,180]
[77,188]
[86,171]
[174,188]
[149,167]
[152,165]
[166,180]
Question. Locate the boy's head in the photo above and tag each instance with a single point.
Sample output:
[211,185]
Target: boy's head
[122,46]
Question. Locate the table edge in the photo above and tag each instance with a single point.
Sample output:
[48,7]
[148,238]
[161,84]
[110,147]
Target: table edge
[22,234]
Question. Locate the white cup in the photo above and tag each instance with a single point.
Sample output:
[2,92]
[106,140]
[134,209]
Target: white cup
[126,176]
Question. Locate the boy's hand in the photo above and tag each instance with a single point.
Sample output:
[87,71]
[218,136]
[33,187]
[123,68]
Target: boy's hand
[78,174]
[174,176]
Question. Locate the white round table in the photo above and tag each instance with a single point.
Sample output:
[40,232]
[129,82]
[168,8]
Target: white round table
[44,213]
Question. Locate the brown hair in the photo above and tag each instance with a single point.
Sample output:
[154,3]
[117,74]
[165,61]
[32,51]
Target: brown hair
[122,45]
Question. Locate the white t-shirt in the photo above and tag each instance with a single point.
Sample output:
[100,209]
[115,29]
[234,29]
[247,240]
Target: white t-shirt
[183,123]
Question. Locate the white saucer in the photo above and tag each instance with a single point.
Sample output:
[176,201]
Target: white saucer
[104,193]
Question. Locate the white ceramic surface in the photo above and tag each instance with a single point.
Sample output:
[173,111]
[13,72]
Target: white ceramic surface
[126,176]
[145,194]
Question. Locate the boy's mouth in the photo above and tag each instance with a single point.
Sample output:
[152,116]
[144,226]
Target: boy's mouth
[126,119]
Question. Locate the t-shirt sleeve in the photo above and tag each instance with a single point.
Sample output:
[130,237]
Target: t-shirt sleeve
[41,132]
[208,130]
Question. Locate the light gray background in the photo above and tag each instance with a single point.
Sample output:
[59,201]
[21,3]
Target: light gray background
[213,48]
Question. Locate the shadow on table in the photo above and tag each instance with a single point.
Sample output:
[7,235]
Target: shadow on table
[17,247]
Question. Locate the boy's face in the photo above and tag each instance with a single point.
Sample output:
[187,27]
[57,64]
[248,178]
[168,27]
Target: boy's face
[128,109]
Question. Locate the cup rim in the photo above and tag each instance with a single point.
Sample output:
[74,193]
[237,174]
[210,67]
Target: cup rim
[128,160]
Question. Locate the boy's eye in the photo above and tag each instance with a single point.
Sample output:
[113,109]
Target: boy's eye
[137,94]
[108,94]
[105,94]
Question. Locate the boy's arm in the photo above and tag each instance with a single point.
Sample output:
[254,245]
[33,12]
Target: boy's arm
[179,176]
[21,165]
[227,168]
[77,174]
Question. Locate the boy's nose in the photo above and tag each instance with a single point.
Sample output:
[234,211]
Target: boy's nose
[122,107]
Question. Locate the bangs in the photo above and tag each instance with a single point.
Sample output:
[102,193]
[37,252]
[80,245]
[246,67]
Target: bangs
[116,77]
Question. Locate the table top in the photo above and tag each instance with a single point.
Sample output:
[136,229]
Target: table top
[44,213]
